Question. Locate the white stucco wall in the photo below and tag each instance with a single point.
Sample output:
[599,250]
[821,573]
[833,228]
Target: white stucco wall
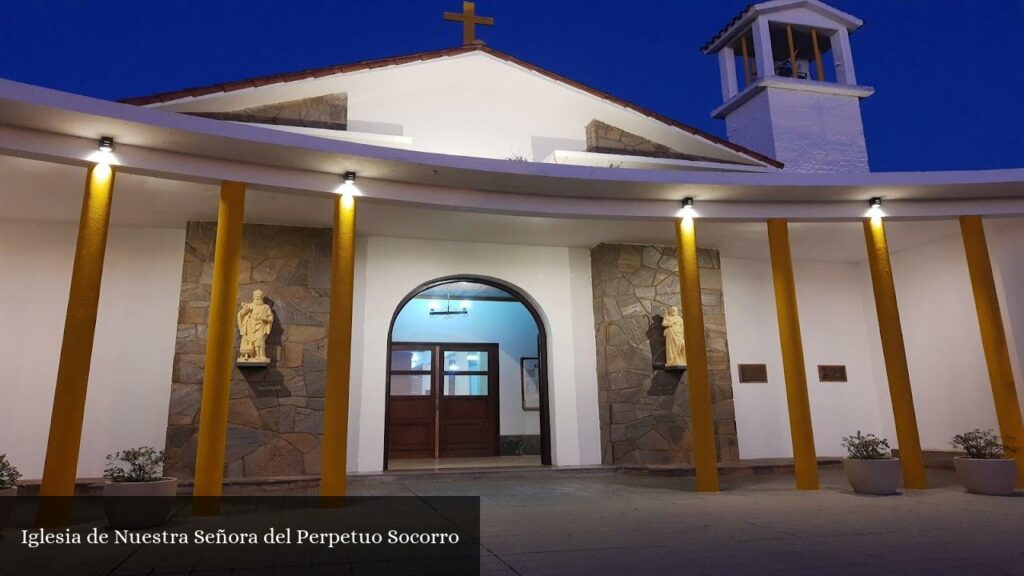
[1006,245]
[392,267]
[833,331]
[839,325]
[499,109]
[507,324]
[129,382]
[750,125]
[948,373]
[808,131]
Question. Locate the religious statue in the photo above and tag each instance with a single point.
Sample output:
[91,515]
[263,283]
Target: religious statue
[675,346]
[255,320]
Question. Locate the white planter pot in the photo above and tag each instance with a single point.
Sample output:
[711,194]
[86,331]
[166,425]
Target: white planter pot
[7,505]
[993,477]
[139,504]
[879,476]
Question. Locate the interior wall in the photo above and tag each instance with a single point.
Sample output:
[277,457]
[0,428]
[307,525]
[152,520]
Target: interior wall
[833,331]
[508,324]
[129,383]
[394,267]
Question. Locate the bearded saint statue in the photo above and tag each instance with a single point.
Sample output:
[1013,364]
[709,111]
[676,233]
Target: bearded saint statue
[675,346]
[255,320]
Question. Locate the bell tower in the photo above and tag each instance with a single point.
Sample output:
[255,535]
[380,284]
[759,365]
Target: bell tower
[789,86]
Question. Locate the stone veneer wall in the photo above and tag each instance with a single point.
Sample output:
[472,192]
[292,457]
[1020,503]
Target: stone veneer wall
[329,112]
[645,413]
[276,413]
[607,139]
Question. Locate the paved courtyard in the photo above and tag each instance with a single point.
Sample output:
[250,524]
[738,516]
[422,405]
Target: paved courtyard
[614,523]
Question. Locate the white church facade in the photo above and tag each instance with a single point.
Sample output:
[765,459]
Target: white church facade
[470,258]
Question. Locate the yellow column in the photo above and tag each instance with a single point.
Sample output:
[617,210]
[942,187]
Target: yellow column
[79,329]
[705,458]
[339,350]
[805,461]
[993,338]
[895,355]
[220,346]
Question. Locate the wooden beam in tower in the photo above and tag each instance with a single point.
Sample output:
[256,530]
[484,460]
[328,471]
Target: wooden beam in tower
[817,55]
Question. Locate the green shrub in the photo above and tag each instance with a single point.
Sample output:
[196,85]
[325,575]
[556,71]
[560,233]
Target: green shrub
[981,444]
[143,464]
[8,473]
[867,447]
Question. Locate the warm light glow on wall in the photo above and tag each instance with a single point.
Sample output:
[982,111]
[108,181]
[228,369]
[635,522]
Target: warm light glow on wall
[101,157]
[102,172]
[348,199]
[101,176]
[348,189]
[687,217]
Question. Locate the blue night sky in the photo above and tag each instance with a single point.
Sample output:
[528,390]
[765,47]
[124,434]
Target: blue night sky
[948,74]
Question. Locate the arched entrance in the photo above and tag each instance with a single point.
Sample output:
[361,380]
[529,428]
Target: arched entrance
[445,379]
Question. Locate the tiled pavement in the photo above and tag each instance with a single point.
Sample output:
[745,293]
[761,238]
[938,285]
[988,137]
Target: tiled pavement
[599,521]
[602,522]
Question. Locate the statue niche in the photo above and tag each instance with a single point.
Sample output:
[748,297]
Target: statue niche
[664,332]
[668,351]
[255,321]
[675,344]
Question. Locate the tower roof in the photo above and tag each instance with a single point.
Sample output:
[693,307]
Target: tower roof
[748,14]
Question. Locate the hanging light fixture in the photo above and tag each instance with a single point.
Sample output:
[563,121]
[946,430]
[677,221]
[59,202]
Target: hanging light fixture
[461,308]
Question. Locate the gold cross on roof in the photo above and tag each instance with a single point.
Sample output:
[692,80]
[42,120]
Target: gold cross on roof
[469,21]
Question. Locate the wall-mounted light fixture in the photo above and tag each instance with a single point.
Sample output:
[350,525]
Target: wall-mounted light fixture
[686,210]
[106,144]
[875,210]
[347,189]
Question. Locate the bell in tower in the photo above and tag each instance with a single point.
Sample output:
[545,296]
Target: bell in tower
[789,86]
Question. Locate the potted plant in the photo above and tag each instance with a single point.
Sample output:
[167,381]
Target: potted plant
[8,487]
[985,469]
[870,466]
[138,474]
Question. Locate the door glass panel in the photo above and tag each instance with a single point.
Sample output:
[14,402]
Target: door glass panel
[410,385]
[411,360]
[465,385]
[465,361]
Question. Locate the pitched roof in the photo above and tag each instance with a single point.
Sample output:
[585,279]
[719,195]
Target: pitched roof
[259,81]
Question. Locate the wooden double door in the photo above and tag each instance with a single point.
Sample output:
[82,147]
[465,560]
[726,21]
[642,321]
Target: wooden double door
[442,400]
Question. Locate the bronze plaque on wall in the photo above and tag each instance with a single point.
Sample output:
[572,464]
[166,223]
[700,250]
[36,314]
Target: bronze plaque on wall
[752,373]
[832,373]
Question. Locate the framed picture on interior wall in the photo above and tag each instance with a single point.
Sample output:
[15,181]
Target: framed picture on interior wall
[530,368]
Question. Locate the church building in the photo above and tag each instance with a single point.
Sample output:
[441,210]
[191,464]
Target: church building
[457,258]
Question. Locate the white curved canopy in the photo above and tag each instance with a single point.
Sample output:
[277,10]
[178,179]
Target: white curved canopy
[56,126]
